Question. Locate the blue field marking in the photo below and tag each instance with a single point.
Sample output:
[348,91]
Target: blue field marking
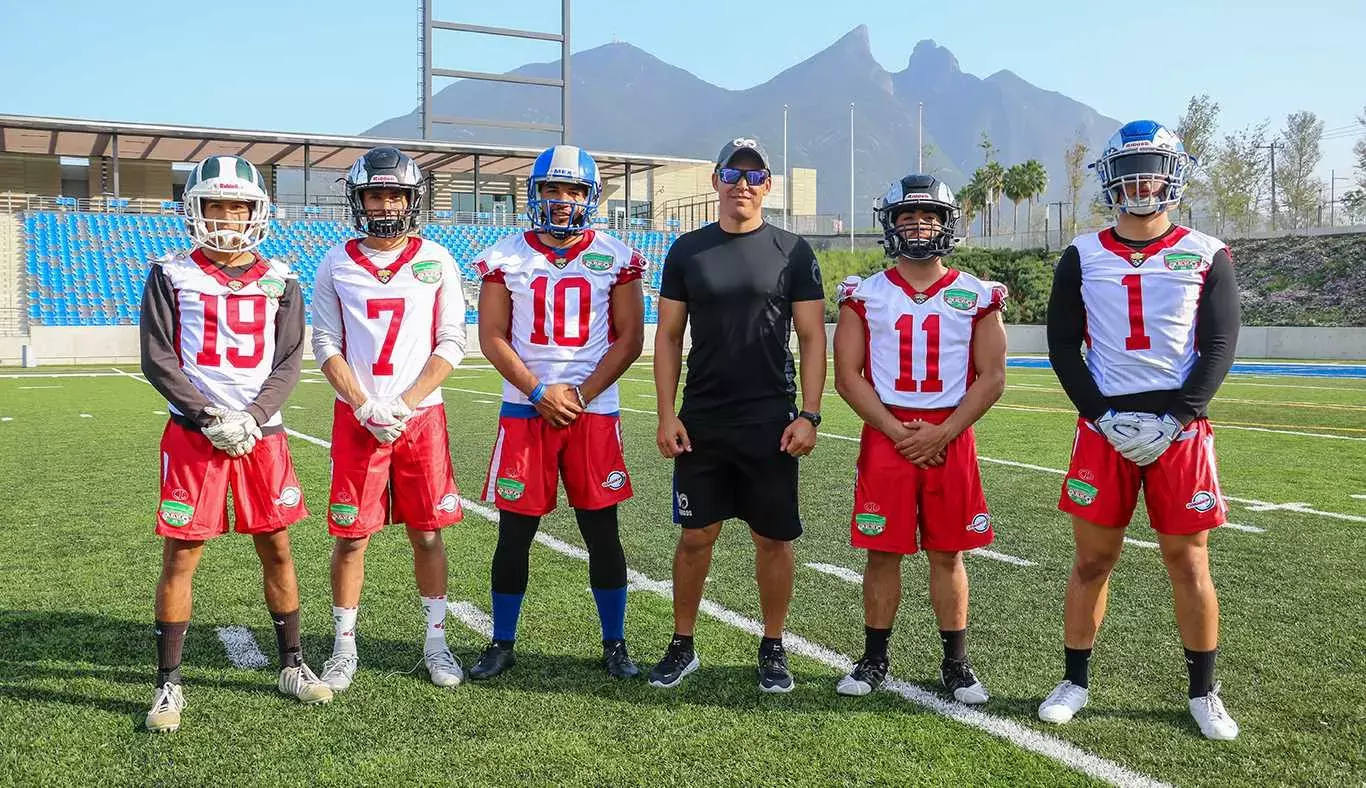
[1245,368]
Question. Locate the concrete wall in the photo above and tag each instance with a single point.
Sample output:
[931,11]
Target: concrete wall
[119,344]
[30,174]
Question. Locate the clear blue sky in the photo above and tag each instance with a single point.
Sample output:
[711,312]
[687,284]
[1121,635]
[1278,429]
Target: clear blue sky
[342,65]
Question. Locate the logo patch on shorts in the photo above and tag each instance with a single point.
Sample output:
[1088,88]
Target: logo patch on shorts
[870,524]
[1081,493]
[981,523]
[289,496]
[428,271]
[960,299]
[1183,261]
[180,495]
[344,514]
[450,502]
[510,489]
[684,505]
[1202,501]
[595,261]
[176,514]
[615,480]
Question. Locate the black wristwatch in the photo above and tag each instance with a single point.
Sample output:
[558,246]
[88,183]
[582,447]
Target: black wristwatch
[814,418]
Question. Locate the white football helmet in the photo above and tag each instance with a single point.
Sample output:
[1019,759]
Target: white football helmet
[226,178]
[1143,150]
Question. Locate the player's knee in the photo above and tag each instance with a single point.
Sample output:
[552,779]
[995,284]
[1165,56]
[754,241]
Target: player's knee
[699,539]
[944,561]
[1186,566]
[350,549]
[1094,567]
[426,541]
[769,546]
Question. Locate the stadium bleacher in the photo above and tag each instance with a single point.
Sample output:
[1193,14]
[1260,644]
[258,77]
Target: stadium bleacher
[87,269]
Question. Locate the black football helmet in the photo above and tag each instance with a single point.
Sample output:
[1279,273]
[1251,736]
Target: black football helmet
[388,168]
[925,192]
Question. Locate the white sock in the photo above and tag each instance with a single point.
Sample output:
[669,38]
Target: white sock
[344,630]
[435,609]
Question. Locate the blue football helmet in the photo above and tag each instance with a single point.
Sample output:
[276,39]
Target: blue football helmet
[1143,150]
[563,164]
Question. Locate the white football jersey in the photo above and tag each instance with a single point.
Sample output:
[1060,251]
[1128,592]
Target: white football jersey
[1140,308]
[920,342]
[561,305]
[226,341]
[388,312]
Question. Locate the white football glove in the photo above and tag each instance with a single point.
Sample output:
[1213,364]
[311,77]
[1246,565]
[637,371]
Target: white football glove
[233,431]
[384,418]
[1158,434]
[1125,430]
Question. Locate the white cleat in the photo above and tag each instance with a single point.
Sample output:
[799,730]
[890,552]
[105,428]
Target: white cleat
[1063,703]
[164,716]
[339,670]
[303,684]
[444,667]
[1212,717]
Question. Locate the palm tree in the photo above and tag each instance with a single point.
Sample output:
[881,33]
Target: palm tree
[1015,189]
[1036,183]
[992,176]
[971,198]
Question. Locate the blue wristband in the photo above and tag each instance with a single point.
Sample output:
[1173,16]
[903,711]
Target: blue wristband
[537,393]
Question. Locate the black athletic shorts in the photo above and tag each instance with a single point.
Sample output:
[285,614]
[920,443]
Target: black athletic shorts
[738,472]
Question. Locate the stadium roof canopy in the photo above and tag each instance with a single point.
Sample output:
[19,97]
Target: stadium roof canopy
[154,142]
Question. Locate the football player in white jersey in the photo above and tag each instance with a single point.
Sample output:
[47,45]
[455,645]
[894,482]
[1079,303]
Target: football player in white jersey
[222,335]
[388,327]
[1156,306]
[920,355]
[561,316]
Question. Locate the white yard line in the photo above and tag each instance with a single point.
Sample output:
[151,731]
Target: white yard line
[847,575]
[1140,543]
[471,616]
[1003,557]
[30,388]
[241,647]
[1252,529]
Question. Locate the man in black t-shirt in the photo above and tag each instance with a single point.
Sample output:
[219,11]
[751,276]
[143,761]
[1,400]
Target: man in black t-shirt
[735,442]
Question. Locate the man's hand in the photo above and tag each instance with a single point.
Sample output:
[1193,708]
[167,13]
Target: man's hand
[672,437]
[799,438]
[559,405]
[1158,434]
[379,417]
[925,444]
[232,431]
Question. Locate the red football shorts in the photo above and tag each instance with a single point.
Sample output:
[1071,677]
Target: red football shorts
[529,456]
[1181,489]
[196,478]
[895,501]
[409,481]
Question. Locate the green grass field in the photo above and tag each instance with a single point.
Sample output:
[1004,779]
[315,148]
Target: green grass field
[77,660]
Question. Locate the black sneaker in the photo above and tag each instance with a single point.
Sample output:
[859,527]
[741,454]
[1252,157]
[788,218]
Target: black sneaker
[679,660]
[497,657]
[959,679]
[617,661]
[773,673]
[867,675]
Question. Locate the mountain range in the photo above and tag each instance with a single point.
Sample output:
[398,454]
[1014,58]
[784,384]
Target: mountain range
[626,100]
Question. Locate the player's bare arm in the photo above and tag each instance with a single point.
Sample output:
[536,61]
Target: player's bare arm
[808,319]
[851,354]
[628,325]
[450,340]
[558,404]
[672,436]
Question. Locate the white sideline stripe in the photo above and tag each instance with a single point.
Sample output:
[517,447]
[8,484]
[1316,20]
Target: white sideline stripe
[1026,738]
[139,378]
[1140,543]
[21,375]
[847,575]
[22,388]
[471,616]
[1359,497]
[995,556]
[1293,432]
[241,647]
[6,418]
[86,416]
[1252,529]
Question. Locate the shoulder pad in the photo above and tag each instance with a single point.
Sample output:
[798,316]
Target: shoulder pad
[847,288]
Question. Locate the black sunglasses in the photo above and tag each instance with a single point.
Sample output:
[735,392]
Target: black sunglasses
[731,175]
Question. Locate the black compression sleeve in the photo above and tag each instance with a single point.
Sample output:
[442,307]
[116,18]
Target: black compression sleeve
[606,560]
[1218,318]
[1066,333]
[512,555]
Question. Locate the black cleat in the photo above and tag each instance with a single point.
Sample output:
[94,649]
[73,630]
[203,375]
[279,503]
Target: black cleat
[497,657]
[678,661]
[617,661]
[773,673]
[867,675]
[960,680]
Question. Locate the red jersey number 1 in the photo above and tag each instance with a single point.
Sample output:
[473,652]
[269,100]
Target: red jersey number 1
[1138,338]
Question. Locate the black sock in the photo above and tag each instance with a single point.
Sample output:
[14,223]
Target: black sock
[287,638]
[769,644]
[683,640]
[1078,661]
[170,637]
[1200,666]
[875,641]
[955,644]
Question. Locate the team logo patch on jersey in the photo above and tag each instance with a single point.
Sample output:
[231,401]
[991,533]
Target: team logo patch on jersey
[344,514]
[1183,261]
[289,496]
[1202,501]
[427,271]
[510,489]
[595,261]
[273,287]
[176,514]
[981,523]
[870,524]
[384,275]
[234,284]
[920,298]
[1136,259]
[615,480]
[450,502]
[960,299]
[1081,493]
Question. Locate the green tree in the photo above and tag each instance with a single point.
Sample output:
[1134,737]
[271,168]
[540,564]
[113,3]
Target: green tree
[971,198]
[1074,158]
[1016,189]
[1297,188]
[1196,128]
[1036,183]
[1237,172]
[992,176]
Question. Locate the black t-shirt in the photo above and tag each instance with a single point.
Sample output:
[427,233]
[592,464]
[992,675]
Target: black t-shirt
[739,289]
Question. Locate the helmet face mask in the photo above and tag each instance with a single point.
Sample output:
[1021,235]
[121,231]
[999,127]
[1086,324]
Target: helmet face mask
[1144,169]
[918,239]
[226,179]
[563,164]
[388,169]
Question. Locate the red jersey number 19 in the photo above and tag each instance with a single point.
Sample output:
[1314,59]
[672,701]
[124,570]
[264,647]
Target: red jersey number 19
[253,327]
